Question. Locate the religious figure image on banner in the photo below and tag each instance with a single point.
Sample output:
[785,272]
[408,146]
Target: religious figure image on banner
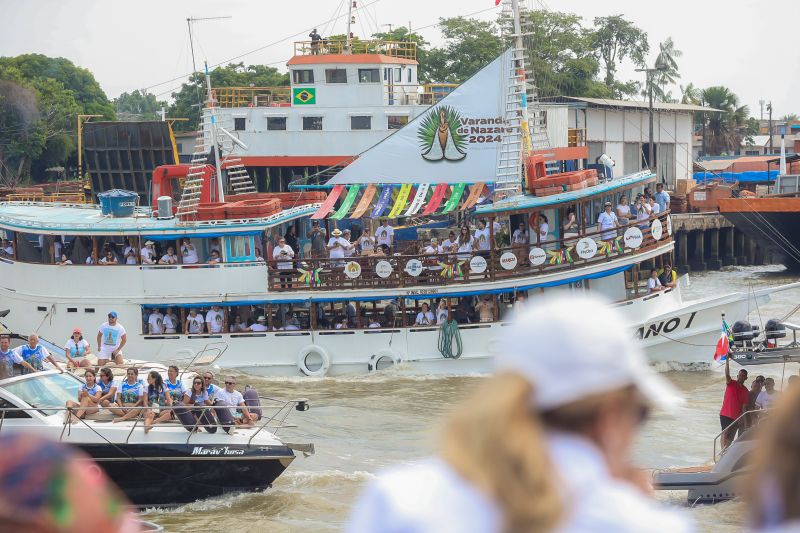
[439,137]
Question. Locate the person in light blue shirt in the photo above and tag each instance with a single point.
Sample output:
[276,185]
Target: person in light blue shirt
[211,389]
[9,358]
[35,354]
[662,197]
[88,397]
[108,387]
[174,385]
[157,396]
[130,395]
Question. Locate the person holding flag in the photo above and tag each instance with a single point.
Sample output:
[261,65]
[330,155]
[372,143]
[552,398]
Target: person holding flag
[735,400]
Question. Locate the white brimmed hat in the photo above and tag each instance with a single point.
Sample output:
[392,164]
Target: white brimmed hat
[573,347]
[336,232]
[261,319]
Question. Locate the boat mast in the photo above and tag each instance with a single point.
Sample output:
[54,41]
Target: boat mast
[519,47]
[349,46]
[214,144]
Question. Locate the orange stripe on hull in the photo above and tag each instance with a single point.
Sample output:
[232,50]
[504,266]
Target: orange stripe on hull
[759,205]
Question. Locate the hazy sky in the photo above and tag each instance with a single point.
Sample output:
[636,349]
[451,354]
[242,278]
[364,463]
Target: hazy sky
[747,45]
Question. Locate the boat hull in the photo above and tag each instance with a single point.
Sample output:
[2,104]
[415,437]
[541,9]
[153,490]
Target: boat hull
[168,475]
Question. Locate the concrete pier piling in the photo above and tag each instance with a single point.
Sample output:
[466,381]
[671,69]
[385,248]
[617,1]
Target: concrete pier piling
[708,241]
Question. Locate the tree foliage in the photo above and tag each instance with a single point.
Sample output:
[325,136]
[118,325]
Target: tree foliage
[615,39]
[138,106]
[725,130]
[668,74]
[40,98]
[401,34]
[470,44]
[186,102]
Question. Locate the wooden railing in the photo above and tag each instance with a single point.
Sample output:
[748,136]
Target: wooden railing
[399,49]
[68,197]
[253,96]
[454,268]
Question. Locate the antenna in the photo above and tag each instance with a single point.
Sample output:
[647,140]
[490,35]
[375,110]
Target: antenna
[189,22]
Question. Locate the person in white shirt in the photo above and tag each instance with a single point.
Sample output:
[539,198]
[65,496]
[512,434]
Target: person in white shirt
[642,211]
[374,322]
[653,283]
[214,258]
[8,248]
[111,338]
[337,246]
[284,255]
[433,248]
[155,322]
[169,258]
[148,253]
[520,235]
[109,258]
[215,320]
[189,252]
[544,228]
[545,444]
[170,321]
[77,349]
[767,397]
[351,249]
[238,326]
[129,253]
[654,207]
[466,244]
[64,260]
[607,223]
[213,245]
[450,244]
[425,316]
[623,211]
[366,243]
[233,398]
[260,325]
[342,324]
[90,260]
[482,237]
[441,312]
[385,234]
[194,322]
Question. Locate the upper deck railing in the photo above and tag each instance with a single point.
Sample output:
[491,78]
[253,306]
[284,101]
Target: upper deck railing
[397,49]
[455,268]
[253,96]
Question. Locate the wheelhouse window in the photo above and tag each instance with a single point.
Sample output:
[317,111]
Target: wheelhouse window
[303,77]
[369,75]
[312,123]
[239,124]
[335,75]
[361,122]
[276,123]
[395,122]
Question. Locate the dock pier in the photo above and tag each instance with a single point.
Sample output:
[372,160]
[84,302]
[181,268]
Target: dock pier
[708,241]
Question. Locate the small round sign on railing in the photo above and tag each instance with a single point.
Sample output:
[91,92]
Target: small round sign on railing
[414,267]
[352,269]
[633,237]
[477,264]
[508,261]
[586,248]
[537,256]
[657,230]
[383,269]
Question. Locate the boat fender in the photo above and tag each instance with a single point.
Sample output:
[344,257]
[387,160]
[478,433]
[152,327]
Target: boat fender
[319,351]
[252,401]
[224,415]
[382,358]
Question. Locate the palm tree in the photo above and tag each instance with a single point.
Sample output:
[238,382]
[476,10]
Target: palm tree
[668,74]
[725,129]
[690,94]
[791,117]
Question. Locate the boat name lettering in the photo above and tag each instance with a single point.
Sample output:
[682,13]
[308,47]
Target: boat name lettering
[224,450]
[417,292]
[665,326]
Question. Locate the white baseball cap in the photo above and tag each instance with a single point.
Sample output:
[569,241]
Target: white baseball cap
[572,347]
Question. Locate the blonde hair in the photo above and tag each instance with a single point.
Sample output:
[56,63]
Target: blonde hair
[495,441]
[773,488]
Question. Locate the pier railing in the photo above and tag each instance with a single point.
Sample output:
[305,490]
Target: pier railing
[572,252]
[397,49]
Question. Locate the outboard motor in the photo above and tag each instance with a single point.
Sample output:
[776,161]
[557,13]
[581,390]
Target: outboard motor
[774,329]
[742,332]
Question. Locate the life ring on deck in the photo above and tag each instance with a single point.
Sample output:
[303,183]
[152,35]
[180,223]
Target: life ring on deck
[314,361]
[382,360]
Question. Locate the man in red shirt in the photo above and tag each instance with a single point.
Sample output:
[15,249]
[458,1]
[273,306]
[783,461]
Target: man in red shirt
[733,404]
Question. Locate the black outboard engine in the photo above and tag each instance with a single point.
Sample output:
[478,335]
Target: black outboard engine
[742,332]
[774,329]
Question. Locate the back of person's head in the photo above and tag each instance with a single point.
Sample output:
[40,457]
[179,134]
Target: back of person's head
[772,491]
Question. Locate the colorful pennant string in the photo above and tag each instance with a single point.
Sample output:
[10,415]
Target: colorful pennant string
[330,201]
[400,203]
[349,200]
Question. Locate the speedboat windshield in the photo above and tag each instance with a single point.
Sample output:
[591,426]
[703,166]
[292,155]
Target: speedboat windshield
[49,390]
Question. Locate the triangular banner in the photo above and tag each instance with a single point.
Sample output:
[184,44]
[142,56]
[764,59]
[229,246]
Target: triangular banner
[400,203]
[364,203]
[330,201]
[383,201]
[474,196]
[419,199]
[455,197]
[436,199]
[348,202]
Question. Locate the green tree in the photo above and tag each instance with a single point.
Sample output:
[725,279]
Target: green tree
[138,106]
[667,62]
[615,39]
[560,55]
[727,129]
[791,117]
[401,35]
[470,44]
[690,94]
[186,101]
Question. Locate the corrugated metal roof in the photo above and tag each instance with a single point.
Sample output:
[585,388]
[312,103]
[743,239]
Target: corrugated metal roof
[631,104]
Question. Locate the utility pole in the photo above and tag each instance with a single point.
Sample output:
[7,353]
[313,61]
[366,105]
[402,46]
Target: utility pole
[649,80]
[703,103]
[769,110]
[350,21]
[761,104]
[81,120]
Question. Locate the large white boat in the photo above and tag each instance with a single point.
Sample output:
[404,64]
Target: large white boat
[479,156]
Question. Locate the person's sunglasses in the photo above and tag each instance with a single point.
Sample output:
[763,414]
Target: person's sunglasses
[207,378]
[230,383]
[198,383]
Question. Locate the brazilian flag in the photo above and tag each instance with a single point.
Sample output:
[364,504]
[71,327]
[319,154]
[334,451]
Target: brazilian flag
[304,95]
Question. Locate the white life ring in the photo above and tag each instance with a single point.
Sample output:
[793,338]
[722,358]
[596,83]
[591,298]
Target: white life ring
[320,368]
[380,360]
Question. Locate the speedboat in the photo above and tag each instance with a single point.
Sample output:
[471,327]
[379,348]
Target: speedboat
[169,465]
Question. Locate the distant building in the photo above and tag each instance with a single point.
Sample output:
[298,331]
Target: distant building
[184,142]
[620,128]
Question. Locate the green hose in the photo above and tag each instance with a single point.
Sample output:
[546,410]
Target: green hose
[449,332]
